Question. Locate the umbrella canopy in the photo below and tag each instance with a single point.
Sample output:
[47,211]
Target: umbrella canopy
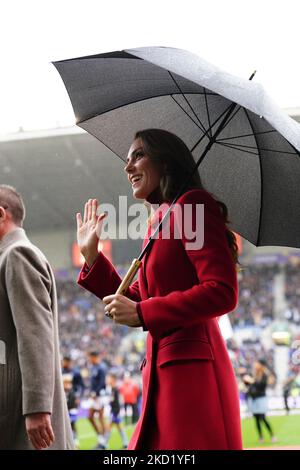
[253,162]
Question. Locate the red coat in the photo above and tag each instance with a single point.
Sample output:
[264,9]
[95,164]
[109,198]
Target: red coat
[190,397]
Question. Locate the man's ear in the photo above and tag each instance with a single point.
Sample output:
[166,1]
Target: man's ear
[2,213]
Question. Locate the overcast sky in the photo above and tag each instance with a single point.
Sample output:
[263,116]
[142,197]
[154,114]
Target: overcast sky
[236,35]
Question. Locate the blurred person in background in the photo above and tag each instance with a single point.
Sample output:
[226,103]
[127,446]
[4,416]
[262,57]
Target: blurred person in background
[113,392]
[288,385]
[73,403]
[78,385]
[257,398]
[33,409]
[74,388]
[190,396]
[97,371]
[129,390]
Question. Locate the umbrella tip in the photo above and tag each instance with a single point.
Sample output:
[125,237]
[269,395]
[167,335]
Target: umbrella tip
[253,74]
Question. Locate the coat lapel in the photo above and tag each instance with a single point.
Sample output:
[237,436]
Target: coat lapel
[152,225]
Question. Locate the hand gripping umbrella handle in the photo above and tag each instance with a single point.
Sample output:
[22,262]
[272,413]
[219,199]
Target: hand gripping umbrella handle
[136,263]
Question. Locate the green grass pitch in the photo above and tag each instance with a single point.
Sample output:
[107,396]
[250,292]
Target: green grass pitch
[286,429]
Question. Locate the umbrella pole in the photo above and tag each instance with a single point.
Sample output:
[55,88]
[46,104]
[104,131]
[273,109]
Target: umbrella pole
[135,265]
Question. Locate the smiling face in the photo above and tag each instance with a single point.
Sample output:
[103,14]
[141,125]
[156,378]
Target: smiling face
[144,174]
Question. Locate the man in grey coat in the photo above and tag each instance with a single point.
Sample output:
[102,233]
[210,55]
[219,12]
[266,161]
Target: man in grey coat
[33,411]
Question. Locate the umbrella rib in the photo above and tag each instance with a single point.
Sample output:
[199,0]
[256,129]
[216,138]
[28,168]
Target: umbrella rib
[191,107]
[246,135]
[236,148]
[261,148]
[261,178]
[182,108]
[231,117]
[296,150]
[213,124]
[207,112]
[129,103]
[225,123]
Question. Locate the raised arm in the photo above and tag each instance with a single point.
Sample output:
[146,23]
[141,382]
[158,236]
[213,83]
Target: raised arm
[102,279]
[98,275]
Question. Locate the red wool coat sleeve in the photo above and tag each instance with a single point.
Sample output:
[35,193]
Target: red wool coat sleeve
[217,290]
[102,279]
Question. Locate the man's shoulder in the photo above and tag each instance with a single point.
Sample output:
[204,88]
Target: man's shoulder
[25,252]
[24,248]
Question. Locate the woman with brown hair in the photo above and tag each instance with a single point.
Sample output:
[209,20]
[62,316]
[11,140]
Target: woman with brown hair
[190,397]
[257,398]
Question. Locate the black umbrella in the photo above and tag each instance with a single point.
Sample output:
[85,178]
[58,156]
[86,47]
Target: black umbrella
[246,148]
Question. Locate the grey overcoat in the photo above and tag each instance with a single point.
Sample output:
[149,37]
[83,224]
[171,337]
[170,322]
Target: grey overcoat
[30,371]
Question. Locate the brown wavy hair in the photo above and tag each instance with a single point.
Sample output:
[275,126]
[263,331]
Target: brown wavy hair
[167,148]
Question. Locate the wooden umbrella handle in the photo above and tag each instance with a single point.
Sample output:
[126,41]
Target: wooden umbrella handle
[136,263]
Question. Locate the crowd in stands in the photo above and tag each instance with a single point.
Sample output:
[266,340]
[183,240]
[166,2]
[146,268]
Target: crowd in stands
[292,293]
[256,296]
[84,327]
[244,355]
